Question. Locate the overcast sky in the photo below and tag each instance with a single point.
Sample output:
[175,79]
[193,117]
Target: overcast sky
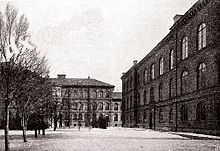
[98,38]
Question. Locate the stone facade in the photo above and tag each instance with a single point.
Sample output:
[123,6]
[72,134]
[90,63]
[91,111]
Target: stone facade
[83,101]
[176,85]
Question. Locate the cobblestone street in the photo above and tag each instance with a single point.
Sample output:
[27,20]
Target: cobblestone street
[113,139]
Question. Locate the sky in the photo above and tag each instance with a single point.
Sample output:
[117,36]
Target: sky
[98,38]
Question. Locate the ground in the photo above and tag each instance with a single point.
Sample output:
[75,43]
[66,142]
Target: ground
[111,139]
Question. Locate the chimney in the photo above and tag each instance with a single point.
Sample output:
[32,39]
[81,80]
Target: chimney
[176,17]
[61,76]
[135,62]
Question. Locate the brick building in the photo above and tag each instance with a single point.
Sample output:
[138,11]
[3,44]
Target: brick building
[176,85]
[83,101]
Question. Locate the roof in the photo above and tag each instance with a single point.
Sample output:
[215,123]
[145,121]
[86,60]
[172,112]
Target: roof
[80,82]
[117,95]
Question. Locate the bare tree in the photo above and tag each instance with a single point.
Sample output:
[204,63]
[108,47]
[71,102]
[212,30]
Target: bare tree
[19,61]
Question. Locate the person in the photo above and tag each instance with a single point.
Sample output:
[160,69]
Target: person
[79,124]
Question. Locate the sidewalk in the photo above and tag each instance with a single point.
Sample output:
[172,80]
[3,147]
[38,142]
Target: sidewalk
[196,136]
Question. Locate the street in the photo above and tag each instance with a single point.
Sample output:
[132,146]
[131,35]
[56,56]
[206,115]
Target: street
[112,139]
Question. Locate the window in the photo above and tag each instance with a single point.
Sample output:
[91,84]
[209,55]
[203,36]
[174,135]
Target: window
[160,91]
[74,106]
[145,76]
[116,117]
[185,48]
[116,106]
[94,106]
[161,70]
[202,36]
[80,116]
[152,94]
[160,115]
[201,78]
[74,116]
[81,106]
[101,94]
[101,106]
[184,81]
[145,97]
[183,113]
[171,115]
[200,111]
[131,102]
[171,59]
[138,99]
[107,106]
[152,72]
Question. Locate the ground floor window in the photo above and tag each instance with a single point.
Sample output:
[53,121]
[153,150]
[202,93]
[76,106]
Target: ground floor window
[171,115]
[160,115]
[184,112]
[201,111]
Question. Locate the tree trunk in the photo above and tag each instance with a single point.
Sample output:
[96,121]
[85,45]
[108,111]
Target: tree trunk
[6,126]
[39,131]
[24,129]
[35,133]
[43,131]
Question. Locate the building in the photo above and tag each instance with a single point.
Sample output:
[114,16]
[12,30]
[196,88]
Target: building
[176,86]
[84,101]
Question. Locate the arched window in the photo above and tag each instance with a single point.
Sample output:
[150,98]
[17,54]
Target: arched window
[145,97]
[171,115]
[145,76]
[161,70]
[160,91]
[184,81]
[202,36]
[138,99]
[151,94]
[116,106]
[160,115]
[201,78]
[184,113]
[107,106]
[94,106]
[152,72]
[100,106]
[185,48]
[201,111]
[171,59]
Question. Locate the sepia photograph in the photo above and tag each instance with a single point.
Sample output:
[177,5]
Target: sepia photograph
[109,75]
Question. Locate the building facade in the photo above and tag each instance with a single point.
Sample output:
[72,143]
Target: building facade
[176,86]
[84,101]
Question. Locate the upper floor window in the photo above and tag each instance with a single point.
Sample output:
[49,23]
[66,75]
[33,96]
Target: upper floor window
[145,97]
[107,106]
[152,72]
[202,36]
[185,48]
[101,94]
[116,106]
[161,70]
[100,106]
[145,76]
[184,81]
[171,59]
[151,94]
[201,79]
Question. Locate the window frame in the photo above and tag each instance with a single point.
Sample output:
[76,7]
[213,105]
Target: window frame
[185,47]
